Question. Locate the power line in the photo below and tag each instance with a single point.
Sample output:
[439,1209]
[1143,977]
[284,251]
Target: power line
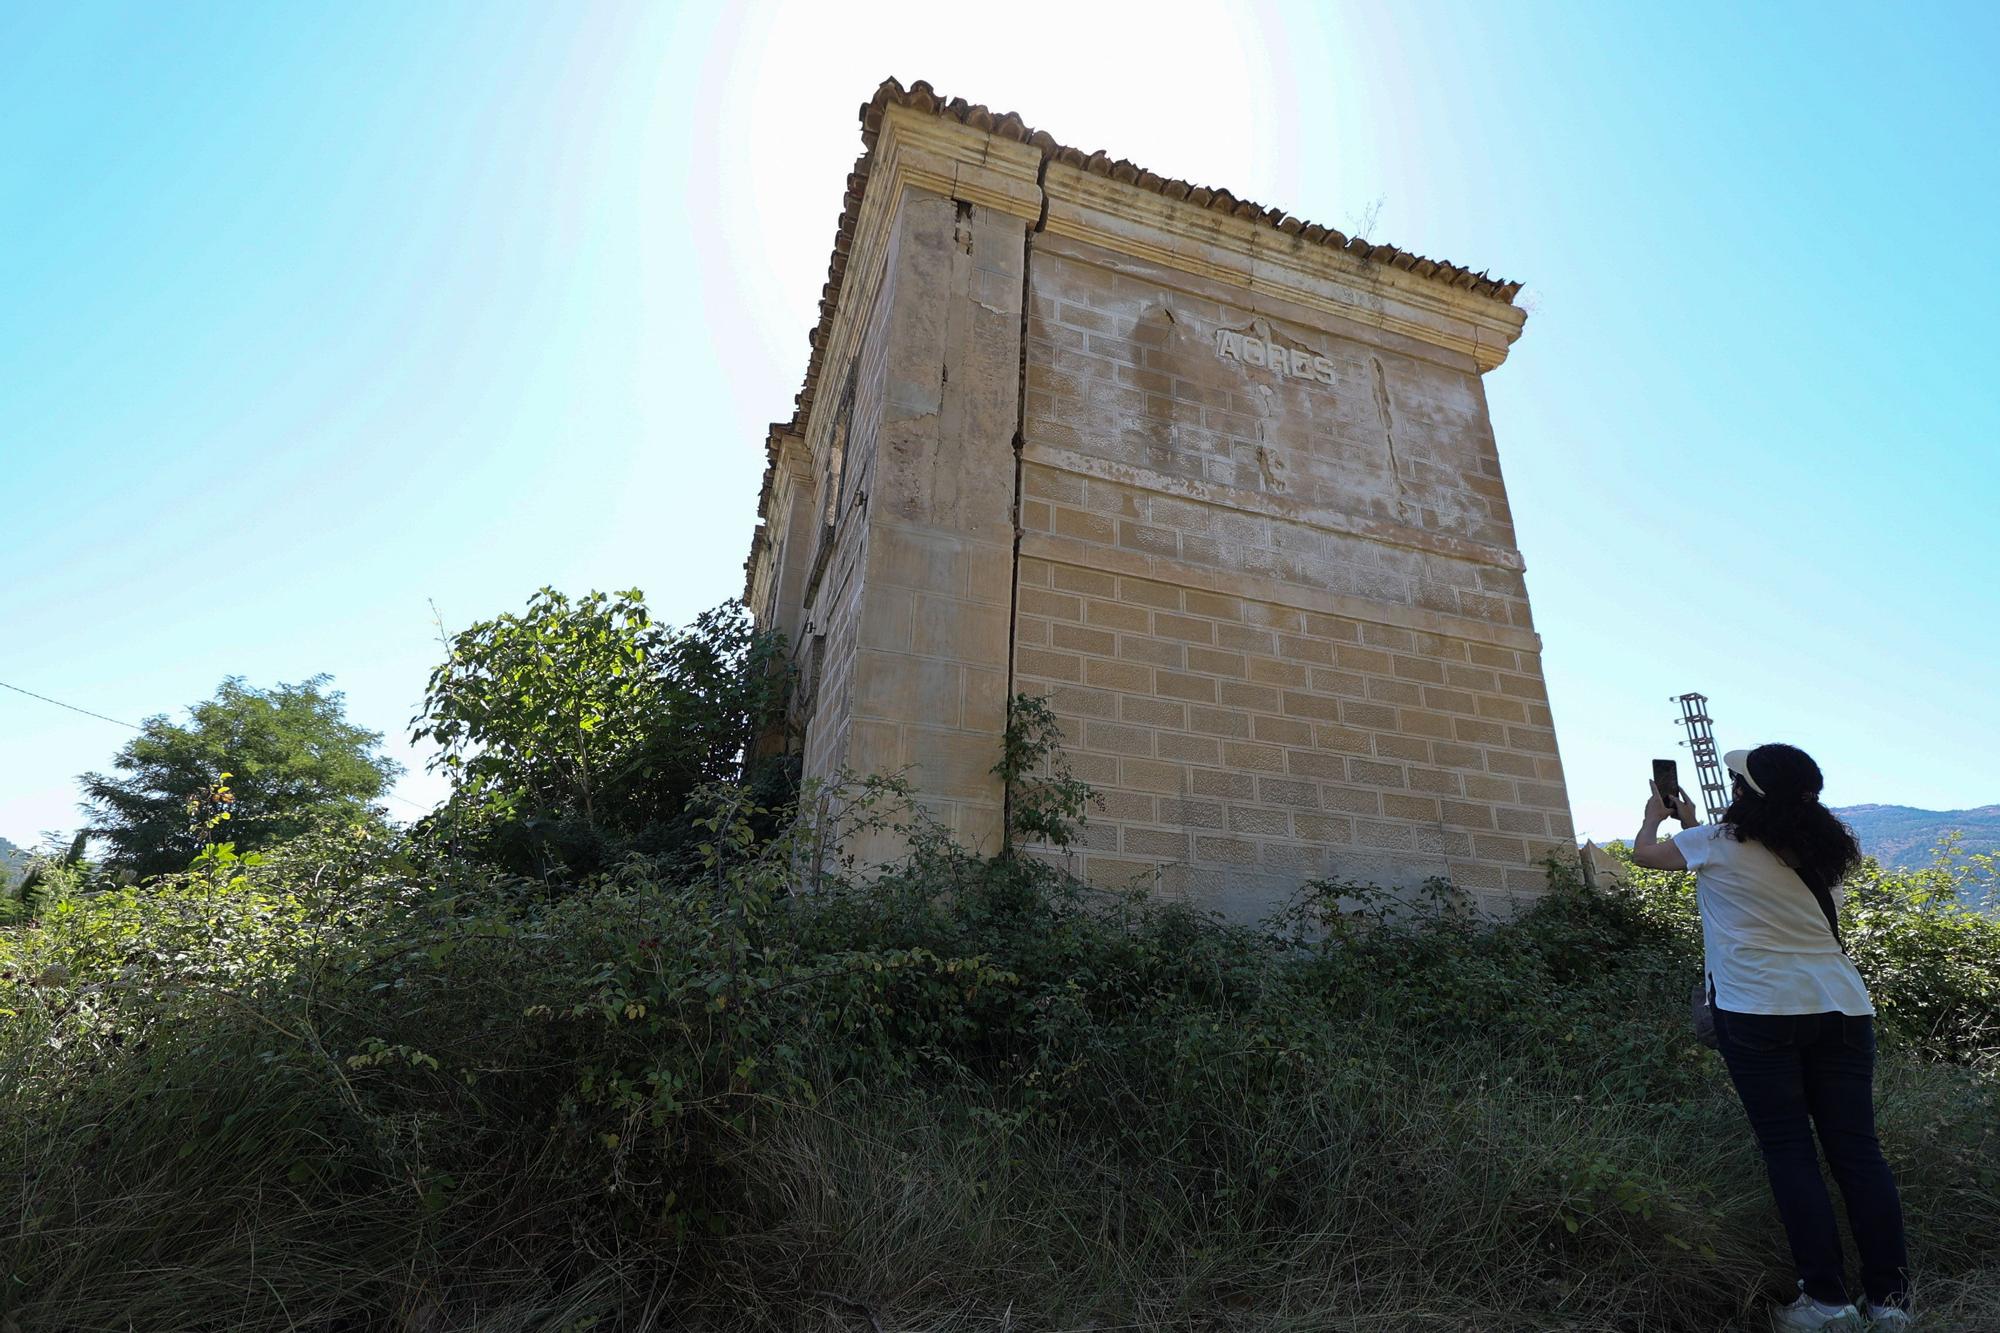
[129,726]
[72,707]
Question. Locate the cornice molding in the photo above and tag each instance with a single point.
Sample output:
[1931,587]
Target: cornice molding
[1245,254]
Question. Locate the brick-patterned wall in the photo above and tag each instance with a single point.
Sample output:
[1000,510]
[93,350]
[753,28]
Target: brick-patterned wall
[1123,367]
[928,683]
[1243,746]
[1283,622]
[837,602]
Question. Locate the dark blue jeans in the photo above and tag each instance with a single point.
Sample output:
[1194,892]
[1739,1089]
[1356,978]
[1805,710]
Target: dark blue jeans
[1798,1072]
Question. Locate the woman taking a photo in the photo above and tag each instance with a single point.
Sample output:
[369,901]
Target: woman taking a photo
[1793,1020]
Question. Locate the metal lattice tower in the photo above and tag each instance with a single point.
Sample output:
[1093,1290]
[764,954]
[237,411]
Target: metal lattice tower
[1701,740]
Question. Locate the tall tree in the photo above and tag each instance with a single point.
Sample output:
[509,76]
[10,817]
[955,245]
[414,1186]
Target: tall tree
[293,760]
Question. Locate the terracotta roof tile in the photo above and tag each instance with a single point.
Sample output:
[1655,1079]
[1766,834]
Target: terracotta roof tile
[920,96]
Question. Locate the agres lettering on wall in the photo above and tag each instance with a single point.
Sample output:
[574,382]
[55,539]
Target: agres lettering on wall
[1251,350]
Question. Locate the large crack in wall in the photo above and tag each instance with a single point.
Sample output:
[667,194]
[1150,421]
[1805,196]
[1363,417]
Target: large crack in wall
[1020,445]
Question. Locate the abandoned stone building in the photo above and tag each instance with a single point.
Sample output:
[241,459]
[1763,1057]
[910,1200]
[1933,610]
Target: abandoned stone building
[1219,483]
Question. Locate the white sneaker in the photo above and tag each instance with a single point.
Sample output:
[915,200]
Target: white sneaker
[1806,1315]
[1890,1317]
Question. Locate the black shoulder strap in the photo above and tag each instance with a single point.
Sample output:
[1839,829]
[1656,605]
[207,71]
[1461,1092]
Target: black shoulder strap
[1825,898]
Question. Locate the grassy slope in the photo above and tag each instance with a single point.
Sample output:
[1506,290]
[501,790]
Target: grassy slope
[354,1090]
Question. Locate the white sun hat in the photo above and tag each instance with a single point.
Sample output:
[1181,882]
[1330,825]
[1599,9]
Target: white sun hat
[1738,762]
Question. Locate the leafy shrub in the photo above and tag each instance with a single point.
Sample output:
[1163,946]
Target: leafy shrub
[578,730]
[354,1083]
[1046,801]
[1930,957]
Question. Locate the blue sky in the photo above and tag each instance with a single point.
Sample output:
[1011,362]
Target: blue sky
[316,316]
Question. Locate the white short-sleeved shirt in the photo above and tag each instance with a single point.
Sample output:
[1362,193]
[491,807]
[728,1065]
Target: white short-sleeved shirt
[1764,938]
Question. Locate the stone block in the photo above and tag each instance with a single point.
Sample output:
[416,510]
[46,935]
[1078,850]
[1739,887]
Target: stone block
[1091,583]
[1437,781]
[1050,665]
[897,686]
[1397,805]
[1369,773]
[1346,740]
[1076,701]
[1289,792]
[1281,730]
[1275,671]
[1245,639]
[1188,749]
[1191,813]
[1322,828]
[984,699]
[1382,689]
[1157,776]
[1224,783]
[1145,592]
[1083,525]
[1181,685]
[1118,616]
[1492,847]
[1478,731]
[1079,639]
[1054,605]
[1313,764]
[1453,755]
[1253,819]
[1219,721]
[1227,851]
[1406,748]
[1189,629]
[1169,843]
[1244,695]
[1132,677]
[953,763]
[1366,716]
[953,627]
[1247,757]
[1351,800]
[1123,807]
[1116,738]
[1215,663]
[1214,606]
[1467,814]
[1532,822]
[1166,714]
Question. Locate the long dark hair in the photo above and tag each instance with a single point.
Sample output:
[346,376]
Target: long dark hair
[1788,818]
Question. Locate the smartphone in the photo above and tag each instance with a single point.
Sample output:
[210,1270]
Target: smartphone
[1666,776]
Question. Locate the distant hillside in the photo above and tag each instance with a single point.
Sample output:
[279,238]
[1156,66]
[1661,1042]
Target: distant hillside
[13,860]
[1897,835]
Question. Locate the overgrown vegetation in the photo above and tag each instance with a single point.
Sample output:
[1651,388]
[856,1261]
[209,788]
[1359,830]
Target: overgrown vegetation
[578,730]
[293,759]
[1046,801]
[375,1080]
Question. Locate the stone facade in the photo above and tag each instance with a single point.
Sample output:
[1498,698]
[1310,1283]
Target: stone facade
[1220,484]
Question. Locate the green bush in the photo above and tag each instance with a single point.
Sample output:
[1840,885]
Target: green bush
[1930,956]
[356,1084]
[578,730]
